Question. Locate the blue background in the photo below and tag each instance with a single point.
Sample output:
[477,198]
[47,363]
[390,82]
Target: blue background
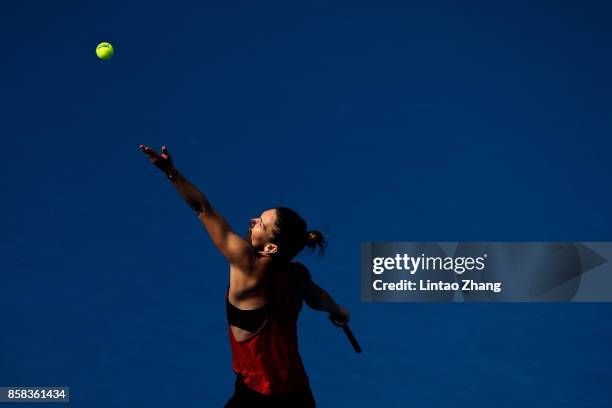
[377,121]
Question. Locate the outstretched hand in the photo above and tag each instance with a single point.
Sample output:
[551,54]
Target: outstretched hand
[162,161]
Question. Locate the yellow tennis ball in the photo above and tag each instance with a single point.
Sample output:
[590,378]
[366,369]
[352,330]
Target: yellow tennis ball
[105,51]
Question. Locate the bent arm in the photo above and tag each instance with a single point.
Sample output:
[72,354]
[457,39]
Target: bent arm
[316,297]
[319,299]
[233,247]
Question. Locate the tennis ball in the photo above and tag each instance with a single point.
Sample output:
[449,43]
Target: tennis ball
[105,51]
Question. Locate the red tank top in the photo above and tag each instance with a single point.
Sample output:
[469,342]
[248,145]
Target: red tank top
[269,361]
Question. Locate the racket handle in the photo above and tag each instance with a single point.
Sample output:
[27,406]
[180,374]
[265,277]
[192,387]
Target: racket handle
[351,337]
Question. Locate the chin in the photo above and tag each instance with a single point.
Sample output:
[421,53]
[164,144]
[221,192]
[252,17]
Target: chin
[247,237]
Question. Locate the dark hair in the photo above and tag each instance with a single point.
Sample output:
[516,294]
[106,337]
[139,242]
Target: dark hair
[292,236]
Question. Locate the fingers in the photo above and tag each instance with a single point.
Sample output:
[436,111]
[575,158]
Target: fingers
[166,153]
[340,319]
[162,161]
[154,155]
[149,152]
[338,323]
[335,322]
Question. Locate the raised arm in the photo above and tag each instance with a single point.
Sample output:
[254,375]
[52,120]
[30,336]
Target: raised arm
[318,299]
[233,247]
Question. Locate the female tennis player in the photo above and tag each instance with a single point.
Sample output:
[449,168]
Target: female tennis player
[266,290]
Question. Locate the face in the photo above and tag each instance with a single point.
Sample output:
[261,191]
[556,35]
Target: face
[261,231]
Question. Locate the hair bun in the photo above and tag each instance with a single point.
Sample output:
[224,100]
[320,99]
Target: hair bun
[314,239]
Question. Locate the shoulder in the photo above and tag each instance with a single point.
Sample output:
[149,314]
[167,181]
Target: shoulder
[301,272]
